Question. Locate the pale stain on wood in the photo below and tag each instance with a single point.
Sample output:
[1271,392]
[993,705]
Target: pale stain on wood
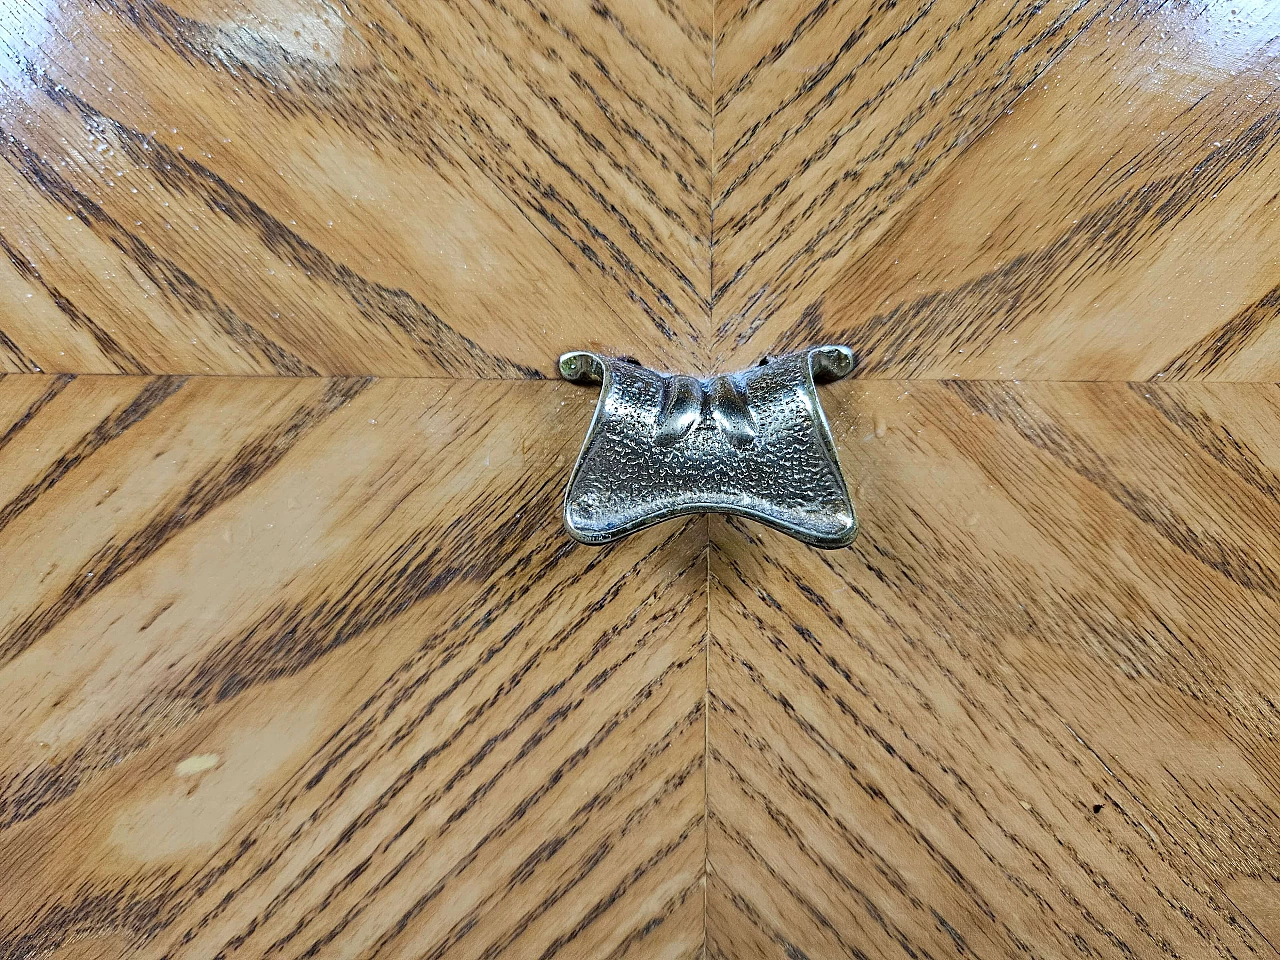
[295,658]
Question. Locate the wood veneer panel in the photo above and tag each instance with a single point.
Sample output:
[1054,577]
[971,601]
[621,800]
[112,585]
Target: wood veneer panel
[1031,711]
[461,189]
[308,667]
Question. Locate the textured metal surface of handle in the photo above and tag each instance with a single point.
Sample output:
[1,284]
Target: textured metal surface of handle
[754,443]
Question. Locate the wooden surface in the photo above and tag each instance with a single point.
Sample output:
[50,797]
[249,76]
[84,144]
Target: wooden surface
[295,657]
[1031,710]
[260,187]
[1117,223]
[308,666]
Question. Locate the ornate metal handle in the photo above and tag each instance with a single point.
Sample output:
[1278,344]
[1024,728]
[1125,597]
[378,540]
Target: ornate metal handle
[754,443]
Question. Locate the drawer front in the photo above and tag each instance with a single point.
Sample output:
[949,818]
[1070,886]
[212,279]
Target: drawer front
[297,657]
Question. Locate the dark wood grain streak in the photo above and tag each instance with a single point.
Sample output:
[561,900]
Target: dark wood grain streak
[50,393]
[404,849]
[225,481]
[1214,350]
[976,315]
[162,272]
[439,344]
[153,393]
[124,361]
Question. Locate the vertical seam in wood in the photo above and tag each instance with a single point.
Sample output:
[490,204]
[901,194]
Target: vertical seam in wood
[706,758]
[709,354]
[709,346]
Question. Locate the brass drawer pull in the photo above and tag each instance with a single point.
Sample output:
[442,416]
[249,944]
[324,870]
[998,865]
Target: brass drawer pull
[754,443]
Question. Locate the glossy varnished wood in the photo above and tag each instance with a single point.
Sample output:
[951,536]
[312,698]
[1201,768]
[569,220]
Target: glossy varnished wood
[831,117]
[1118,222]
[317,187]
[1031,711]
[307,667]
[296,660]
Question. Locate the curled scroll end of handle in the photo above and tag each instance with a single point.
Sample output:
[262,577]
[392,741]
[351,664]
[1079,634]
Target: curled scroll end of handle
[582,366]
[832,362]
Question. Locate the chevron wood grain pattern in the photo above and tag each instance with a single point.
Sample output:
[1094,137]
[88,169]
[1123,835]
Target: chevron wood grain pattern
[1031,712]
[1117,223]
[460,189]
[307,668]
[831,116]
[295,658]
